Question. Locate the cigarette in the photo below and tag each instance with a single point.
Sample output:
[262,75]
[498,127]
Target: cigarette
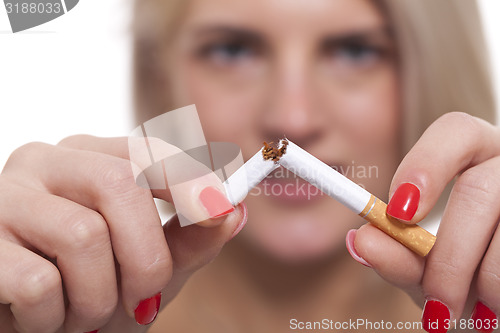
[243,180]
[354,197]
[330,182]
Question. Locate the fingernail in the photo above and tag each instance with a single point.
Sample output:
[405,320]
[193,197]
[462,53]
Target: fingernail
[244,220]
[435,317]
[484,319]
[404,202]
[349,242]
[215,202]
[93,331]
[147,310]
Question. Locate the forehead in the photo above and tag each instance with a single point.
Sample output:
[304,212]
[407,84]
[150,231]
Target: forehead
[286,16]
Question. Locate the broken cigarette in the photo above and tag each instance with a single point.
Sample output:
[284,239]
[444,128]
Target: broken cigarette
[248,176]
[332,183]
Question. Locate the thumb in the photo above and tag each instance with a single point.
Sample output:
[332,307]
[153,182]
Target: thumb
[194,246]
[391,260]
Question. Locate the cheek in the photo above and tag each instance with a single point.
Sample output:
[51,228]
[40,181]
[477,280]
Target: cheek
[372,112]
[371,127]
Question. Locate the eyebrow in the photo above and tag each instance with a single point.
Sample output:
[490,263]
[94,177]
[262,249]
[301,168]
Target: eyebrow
[364,35]
[227,30]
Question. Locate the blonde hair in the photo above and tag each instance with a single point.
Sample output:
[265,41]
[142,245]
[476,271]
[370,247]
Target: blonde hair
[442,57]
[444,61]
[154,24]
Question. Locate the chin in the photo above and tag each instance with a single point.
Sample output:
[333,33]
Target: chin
[298,233]
[299,240]
[302,253]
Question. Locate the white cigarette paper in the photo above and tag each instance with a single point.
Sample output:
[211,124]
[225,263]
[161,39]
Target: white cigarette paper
[332,183]
[328,180]
[356,198]
[247,177]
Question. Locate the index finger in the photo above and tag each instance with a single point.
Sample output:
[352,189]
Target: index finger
[453,143]
[172,175]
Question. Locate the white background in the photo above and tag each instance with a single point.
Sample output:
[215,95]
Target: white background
[84,84]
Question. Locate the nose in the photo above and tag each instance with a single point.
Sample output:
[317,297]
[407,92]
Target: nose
[292,109]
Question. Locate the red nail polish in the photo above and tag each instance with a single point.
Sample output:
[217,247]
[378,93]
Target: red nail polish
[484,319]
[93,331]
[215,202]
[349,242]
[404,202]
[147,310]
[436,317]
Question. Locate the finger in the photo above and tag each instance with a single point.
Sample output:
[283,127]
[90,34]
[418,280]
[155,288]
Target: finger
[391,260]
[106,184]
[467,226]
[32,287]
[78,239]
[171,174]
[439,155]
[193,247]
[488,287]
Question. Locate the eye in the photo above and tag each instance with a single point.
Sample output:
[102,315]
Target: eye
[358,52]
[355,52]
[228,53]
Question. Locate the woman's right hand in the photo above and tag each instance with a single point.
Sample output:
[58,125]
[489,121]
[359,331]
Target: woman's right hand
[82,244]
[458,282]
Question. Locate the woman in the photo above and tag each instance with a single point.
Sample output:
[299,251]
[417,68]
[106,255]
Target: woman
[354,82]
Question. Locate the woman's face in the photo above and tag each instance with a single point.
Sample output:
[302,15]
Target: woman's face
[321,73]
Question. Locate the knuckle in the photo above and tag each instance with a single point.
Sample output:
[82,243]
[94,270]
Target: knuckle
[72,141]
[86,229]
[24,154]
[476,186]
[117,183]
[160,265]
[468,126]
[38,283]
[462,120]
[445,271]
[117,177]
[489,277]
[95,309]
[448,269]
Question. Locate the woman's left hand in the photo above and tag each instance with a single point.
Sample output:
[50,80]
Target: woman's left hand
[461,274]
